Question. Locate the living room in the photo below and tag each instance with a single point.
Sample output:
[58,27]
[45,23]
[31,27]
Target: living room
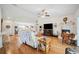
[51,27]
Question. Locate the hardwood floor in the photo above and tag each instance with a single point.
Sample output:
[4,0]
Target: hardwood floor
[56,48]
[25,49]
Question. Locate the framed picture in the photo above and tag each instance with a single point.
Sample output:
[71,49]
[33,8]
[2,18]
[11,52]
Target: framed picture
[65,19]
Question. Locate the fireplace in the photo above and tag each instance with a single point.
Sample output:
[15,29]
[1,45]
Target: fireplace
[48,29]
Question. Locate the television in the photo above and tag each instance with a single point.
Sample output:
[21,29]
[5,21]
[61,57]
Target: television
[48,26]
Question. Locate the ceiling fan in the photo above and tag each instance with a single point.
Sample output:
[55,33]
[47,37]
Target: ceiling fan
[48,12]
[44,13]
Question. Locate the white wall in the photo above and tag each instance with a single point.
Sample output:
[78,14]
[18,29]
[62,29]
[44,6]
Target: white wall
[9,31]
[0,19]
[17,14]
[77,19]
[77,13]
[12,14]
[77,31]
[13,24]
[0,30]
[25,25]
[58,20]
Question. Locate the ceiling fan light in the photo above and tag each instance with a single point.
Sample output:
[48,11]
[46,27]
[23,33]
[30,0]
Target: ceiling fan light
[42,16]
[47,15]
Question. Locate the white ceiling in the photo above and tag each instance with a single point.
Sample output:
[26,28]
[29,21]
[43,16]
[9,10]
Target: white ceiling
[29,12]
[54,9]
